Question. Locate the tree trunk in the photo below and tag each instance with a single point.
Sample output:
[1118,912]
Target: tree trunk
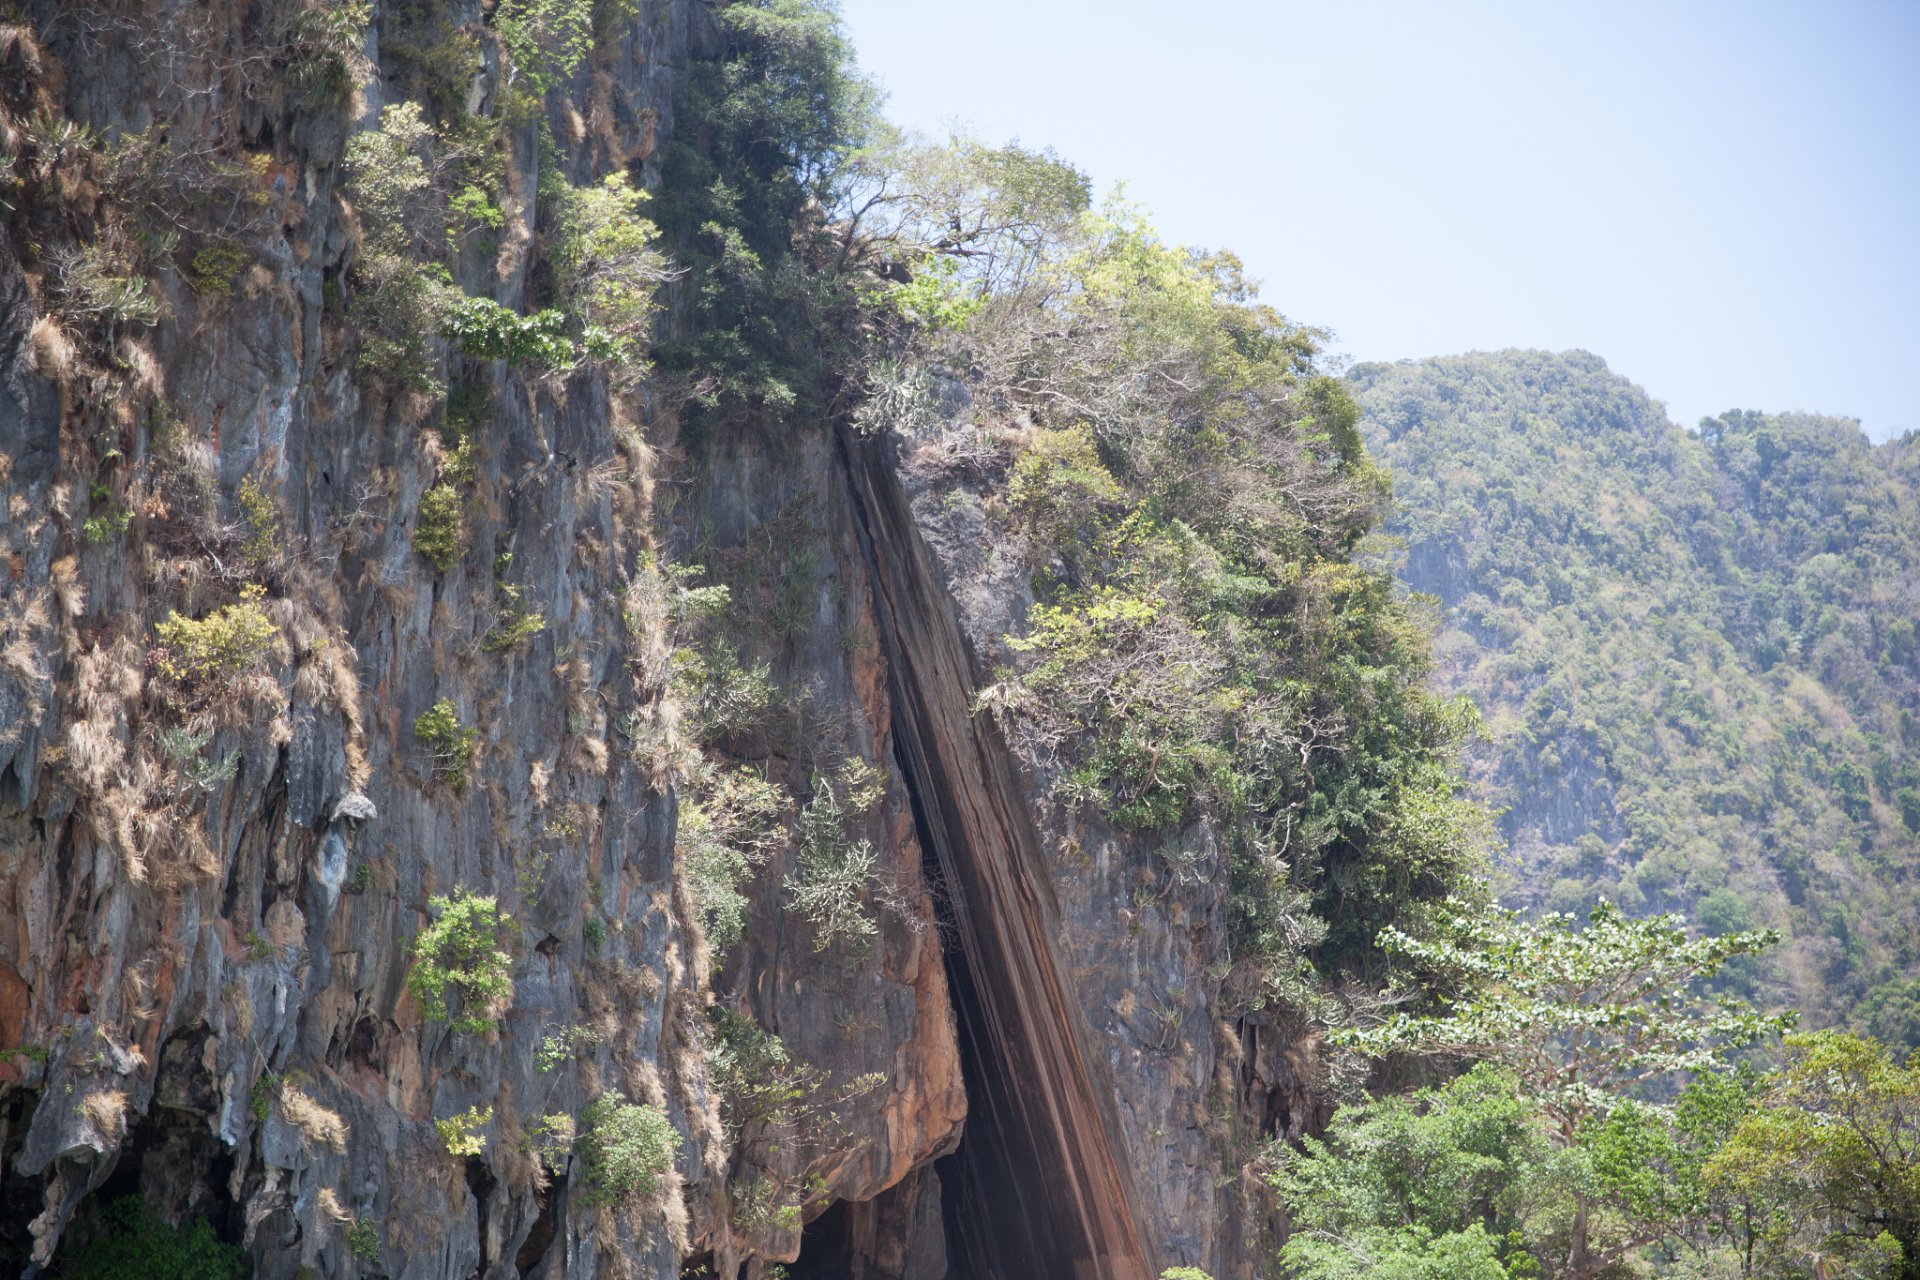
[1577,1261]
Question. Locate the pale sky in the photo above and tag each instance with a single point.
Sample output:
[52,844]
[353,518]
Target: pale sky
[1720,199]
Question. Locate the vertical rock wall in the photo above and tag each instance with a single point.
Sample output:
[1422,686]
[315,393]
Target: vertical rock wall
[203,991]
[205,995]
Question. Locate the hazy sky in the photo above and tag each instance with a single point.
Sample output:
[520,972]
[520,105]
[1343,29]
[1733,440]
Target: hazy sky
[1723,200]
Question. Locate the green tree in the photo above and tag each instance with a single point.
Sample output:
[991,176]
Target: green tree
[133,1240]
[1837,1129]
[762,134]
[1431,1184]
[1585,1020]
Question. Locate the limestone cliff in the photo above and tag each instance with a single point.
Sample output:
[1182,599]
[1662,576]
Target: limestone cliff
[213,879]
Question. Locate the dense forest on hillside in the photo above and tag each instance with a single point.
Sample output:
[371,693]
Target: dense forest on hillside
[1695,653]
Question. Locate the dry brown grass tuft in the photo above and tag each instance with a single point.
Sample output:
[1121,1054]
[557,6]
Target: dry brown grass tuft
[331,1207]
[590,755]
[67,587]
[315,1121]
[53,351]
[106,1111]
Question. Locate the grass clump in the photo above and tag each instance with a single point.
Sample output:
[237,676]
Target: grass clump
[624,1149]
[463,949]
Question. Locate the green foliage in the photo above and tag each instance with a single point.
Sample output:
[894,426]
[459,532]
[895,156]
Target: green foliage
[402,295]
[263,525]
[1208,642]
[450,743]
[437,529]
[260,1097]
[607,270]
[517,624]
[1423,1186]
[771,1105]
[832,869]
[1184,1273]
[363,1241]
[624,1149]
[132,1240]
[722,695]
[107,525]
[469,405]
[1699,640]
[92,286]
[762,131]
[323,48]
[461,1134]
[725,831]
[473,208]
[555,1049]
[227,642]
[1836,1129]
[215,267]
[183,749]
[1475,1178]
[463,947]
[433,54]
[1582,1016]
[593,934]
[546,40]
[485,330]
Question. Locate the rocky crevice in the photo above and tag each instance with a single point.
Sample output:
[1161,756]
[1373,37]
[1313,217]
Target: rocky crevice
[1040,1185]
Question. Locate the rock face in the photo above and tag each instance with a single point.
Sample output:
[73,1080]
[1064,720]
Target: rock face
[205,940]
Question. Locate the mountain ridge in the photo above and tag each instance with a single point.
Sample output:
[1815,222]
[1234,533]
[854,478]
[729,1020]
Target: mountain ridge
[1693,650]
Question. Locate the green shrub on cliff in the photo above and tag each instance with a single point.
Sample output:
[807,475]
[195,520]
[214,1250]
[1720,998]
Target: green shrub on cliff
[463,948]
[400,291]
[624,1148]
[228,641]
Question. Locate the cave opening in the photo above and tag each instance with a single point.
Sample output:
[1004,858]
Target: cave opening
[989,1204]
[170,1160]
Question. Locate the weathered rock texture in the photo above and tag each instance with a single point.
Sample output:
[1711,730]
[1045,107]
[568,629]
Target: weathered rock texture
[206,990]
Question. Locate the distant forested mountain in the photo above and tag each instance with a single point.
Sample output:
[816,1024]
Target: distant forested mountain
[1695,651]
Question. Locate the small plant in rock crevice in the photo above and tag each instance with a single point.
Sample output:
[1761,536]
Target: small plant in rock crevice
[363,1241]
[436,533]
[556,1048]
[833,869]
[450,742]
[462,1134]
